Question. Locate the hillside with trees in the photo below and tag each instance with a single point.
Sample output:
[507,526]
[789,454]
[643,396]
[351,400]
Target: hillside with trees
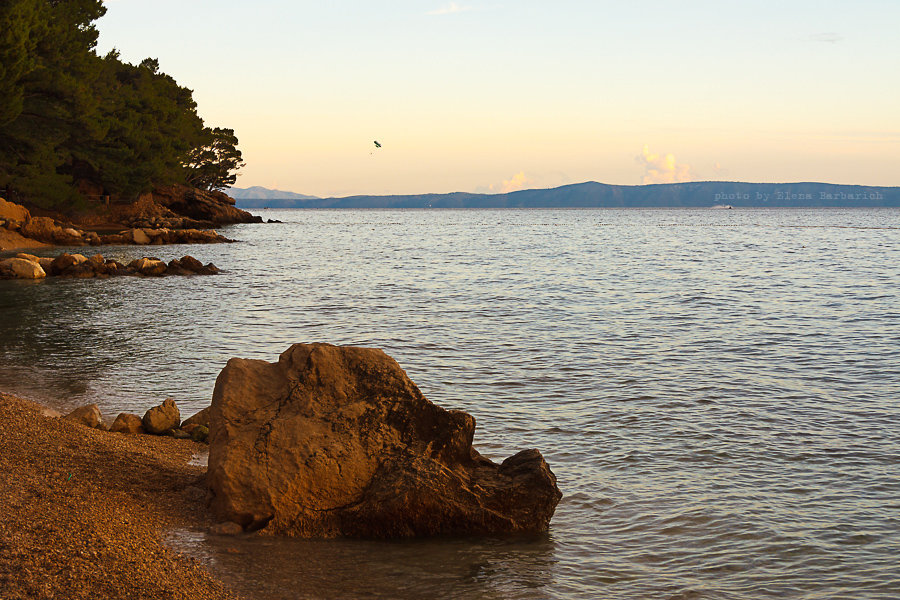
[591,194]
[75,126]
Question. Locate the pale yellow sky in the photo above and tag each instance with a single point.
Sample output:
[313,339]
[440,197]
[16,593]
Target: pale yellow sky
[490,97]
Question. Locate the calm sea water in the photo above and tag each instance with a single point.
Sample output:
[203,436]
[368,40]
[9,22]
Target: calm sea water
[718,392]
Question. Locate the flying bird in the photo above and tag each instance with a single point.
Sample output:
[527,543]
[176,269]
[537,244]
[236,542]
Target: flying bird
[377,145]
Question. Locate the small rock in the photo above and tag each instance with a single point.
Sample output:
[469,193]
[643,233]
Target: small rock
[159,419]
[84,270]
[72,232]
[201,418]
[139,237]
[89,416]
[65,261]
[115,268]
[180,434]
[21,268]
[154,268]
[150,267]
[200,433]
[191,264]
[127,423]
[175,268]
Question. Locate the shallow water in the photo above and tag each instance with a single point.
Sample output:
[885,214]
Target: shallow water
[718,392]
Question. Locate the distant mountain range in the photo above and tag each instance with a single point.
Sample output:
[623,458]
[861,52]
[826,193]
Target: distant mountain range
[593,194]
[257,192]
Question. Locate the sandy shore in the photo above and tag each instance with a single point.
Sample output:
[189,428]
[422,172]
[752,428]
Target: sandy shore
[84,511]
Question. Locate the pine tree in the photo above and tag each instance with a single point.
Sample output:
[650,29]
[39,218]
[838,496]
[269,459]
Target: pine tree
[213,165]
[69,117]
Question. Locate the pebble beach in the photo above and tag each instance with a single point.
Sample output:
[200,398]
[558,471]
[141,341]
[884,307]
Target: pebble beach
[86,511]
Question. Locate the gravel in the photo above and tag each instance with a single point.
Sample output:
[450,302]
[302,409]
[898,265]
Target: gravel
[83,512]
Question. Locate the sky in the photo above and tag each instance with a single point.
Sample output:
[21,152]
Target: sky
[494,96]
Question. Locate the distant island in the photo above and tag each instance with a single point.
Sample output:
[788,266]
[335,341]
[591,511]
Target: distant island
[257,192]
[704,194]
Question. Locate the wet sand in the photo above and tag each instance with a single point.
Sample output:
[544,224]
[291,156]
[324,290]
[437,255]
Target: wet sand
[85,511]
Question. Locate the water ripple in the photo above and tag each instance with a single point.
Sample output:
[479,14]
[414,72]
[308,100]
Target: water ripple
[716,391]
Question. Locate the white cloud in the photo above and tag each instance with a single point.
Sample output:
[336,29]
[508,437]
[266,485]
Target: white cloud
[660,168]
[519,181]
[449,9]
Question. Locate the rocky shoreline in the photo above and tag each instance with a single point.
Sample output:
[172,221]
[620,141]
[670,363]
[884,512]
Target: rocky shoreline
[330,441]
[29,266]
[49,232]
[85,511]
[164,419]
[170,215]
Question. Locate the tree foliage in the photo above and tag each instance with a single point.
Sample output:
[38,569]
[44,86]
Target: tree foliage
[72,120]
[213,165]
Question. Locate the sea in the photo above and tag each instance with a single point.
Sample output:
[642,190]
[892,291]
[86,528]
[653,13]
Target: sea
[717,391]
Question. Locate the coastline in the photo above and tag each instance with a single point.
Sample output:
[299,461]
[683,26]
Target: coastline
[172,215]
[86,511]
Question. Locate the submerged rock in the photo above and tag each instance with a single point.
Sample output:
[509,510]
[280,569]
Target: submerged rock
[334,441]
[226,528]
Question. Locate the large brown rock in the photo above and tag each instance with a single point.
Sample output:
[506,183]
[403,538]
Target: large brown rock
[335,441]
[162,418]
